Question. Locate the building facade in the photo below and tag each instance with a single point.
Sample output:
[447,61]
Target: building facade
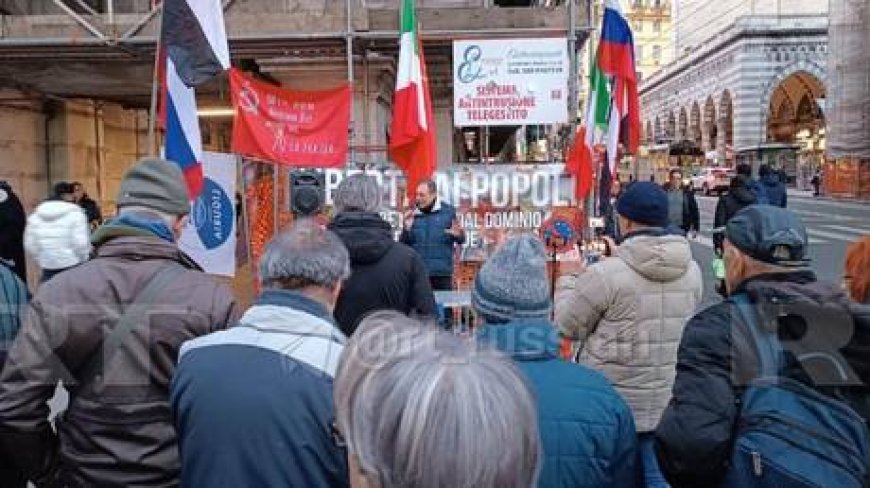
[653,35]
[754,92]
[76,77]
[696,21]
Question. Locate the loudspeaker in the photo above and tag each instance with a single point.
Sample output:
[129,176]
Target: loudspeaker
[307,192]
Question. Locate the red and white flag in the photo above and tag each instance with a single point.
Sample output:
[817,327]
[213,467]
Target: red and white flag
[412,131]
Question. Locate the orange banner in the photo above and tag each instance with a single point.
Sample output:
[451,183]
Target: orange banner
[289,127]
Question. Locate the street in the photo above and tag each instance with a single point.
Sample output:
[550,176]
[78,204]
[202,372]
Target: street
[831,226]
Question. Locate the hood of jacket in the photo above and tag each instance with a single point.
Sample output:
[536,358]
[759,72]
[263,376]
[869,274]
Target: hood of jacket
[55,210]
[741,190]
[366,235]
[657,258]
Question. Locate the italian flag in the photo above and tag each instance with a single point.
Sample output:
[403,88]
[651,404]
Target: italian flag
[412,131]
[580,162]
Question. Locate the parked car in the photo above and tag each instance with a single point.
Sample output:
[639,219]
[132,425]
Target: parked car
[710,180]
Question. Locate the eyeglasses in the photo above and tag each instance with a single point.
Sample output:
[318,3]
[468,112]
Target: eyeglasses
[336,436]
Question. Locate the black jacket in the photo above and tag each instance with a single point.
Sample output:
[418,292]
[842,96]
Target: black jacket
[739,195]
[92,210]
[716,359]
[691,214]
[12,222]
[384,274]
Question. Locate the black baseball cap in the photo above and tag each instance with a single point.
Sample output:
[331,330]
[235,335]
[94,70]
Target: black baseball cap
[769,234]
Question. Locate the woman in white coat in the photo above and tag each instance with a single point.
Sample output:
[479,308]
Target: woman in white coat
[57,237]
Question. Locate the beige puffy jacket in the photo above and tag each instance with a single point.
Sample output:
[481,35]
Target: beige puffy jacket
[629,312]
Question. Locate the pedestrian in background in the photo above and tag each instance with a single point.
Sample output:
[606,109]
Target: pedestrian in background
[857,272]
[13,220]
[92,210]
[773,185]
[817,183]
[253,404]
[63,191]
[587,429]
[755,186]
[110,329]
[433,230]
[740,194]
[421,408]
[683,211]
[57,237]
[13,302]
[385,275]
[628,311]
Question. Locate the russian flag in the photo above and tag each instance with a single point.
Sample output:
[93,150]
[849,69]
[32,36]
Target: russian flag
[616,60]
[194,43]
[183,140]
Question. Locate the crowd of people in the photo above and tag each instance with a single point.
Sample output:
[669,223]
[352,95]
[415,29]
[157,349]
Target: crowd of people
[341,373]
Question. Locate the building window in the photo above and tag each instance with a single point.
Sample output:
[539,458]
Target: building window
[638,52]
[657,27]
[658,3]
[638,26]
[639,76]
[657,53]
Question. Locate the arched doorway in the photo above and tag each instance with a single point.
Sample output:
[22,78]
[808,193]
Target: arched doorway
[795,120]
[795,108]
[695,124]
[710,129]
[683,127]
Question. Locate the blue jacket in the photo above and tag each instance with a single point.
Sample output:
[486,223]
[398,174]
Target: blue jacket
[429,238]
[253,404]
[758,190]
[587,430]
[774,190]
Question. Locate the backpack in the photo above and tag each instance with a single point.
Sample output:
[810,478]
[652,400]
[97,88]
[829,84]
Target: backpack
[788,435]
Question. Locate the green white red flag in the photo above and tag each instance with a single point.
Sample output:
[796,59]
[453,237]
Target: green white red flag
[412,130]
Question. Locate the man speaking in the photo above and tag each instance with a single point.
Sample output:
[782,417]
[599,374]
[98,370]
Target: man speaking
[433,230]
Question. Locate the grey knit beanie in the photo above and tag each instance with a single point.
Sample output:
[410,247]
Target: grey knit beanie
[513,284]
[156,184]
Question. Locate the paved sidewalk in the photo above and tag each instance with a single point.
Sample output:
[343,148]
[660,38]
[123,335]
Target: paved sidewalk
[808,194]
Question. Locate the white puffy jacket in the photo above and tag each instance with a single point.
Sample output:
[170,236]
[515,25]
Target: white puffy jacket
[57,235]
[630,311]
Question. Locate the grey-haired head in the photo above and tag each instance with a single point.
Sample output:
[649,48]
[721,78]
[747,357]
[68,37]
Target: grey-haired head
[302,256]
[429,410]
[358,193]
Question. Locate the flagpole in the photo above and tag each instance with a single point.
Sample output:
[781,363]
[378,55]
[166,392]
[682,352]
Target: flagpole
[155,85]
[590,199]
[350,79]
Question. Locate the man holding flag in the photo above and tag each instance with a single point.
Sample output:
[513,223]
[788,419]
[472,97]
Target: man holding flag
[111,328]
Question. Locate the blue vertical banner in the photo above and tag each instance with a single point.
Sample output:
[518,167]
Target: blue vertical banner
[210,236]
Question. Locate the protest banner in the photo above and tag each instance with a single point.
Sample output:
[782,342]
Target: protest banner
[289,127]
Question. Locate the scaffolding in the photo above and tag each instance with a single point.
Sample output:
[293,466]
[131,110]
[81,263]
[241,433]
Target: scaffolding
[848,105]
